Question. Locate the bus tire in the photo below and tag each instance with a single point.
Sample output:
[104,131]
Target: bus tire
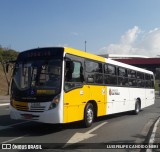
[88,115]
[137,107]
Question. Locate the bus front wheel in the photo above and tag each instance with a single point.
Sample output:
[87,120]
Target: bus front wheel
[88,115]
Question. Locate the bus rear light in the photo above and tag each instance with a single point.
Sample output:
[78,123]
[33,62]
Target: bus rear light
[54,102]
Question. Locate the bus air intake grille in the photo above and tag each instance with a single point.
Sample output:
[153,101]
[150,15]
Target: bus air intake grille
[37,109]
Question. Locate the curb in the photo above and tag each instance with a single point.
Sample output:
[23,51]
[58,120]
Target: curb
[4,99]
[153,134]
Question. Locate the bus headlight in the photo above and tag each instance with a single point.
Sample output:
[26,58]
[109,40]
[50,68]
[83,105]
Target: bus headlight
[54,102]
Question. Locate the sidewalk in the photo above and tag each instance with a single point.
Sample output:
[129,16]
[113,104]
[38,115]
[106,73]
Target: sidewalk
[157,133]
[4,99]
[157,126]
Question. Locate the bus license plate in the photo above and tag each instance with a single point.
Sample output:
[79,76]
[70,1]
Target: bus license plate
[28,116]
[35,105]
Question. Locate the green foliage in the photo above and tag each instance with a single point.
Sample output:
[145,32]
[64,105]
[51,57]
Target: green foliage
[157,82]
[8,54]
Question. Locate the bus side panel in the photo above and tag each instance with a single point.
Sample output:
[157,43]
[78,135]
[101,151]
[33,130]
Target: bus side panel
[74,103]
[121,99]
[76,100]
[98,94]
[117,99]
[136,93]
[150,96]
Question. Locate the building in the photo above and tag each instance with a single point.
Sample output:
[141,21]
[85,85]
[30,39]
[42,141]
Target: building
[152,64]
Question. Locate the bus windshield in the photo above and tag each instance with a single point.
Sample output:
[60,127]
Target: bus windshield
[38,74]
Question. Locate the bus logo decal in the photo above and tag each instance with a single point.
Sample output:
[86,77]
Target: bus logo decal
[114,92]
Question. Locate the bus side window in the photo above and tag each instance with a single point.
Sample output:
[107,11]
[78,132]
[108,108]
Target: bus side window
[69,70]
[94,72]
[81,74]
[149,81]
[122,77]
[73,75]
[110,77]
[77,72]
[132,78]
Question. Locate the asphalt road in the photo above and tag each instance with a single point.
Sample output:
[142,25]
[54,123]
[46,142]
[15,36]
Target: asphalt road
[119,128]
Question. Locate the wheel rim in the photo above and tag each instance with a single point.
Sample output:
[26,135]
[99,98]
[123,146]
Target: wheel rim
[89,115]
[137,107]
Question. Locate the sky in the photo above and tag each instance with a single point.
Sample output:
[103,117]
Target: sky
[108,26]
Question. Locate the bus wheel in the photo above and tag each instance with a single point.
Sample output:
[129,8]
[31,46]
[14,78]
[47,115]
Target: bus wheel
[88,115]
[137,107]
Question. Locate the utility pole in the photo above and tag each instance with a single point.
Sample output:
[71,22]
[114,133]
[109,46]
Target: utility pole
[85,44]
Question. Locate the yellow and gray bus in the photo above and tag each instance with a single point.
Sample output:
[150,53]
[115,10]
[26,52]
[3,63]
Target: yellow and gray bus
[62,85]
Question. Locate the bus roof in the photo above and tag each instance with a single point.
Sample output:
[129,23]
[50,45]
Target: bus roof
[110,61]
[102,59]
[84,54]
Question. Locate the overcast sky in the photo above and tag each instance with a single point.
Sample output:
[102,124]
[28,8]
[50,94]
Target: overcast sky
[108,26]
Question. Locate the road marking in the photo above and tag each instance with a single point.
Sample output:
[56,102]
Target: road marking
[13,139]
[152,137]
[19,123]
[4,104]
[154,131]
[144,133]
[95,128]
[77,137]
[10,126]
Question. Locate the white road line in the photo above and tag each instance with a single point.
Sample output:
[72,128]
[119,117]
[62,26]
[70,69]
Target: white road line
[10,126]
[152,137]
[13,139]
[78,137]
[19,123]
[95,128]
[4,104]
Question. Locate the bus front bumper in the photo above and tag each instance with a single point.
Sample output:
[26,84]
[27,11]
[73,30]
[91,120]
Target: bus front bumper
[49,116]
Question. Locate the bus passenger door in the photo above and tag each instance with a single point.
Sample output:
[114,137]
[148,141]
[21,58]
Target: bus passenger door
[75,92]
[74,103]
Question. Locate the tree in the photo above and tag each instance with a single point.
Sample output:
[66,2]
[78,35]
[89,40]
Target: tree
[6,56]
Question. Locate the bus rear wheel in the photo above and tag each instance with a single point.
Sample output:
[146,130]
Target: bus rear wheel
[88,115]
[137,107]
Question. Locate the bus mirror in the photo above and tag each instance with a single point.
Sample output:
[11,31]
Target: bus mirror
[90,80]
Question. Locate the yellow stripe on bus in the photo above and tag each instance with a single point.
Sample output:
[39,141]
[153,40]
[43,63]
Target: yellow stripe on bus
[84,54]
